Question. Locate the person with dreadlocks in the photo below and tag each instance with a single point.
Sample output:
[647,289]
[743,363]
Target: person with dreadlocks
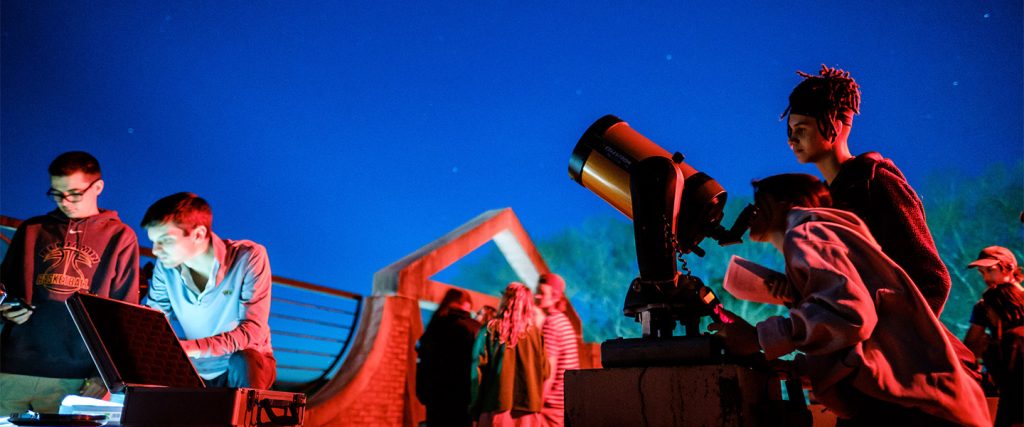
[996,334]
[509,366]
[820,116]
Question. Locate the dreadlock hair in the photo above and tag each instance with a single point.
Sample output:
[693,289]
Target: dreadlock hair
[1006,302]
[515,314]
[831,95]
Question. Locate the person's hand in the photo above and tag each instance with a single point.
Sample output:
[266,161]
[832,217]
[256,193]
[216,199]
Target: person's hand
[94,388]
[738,335]
[15,315]
[781,288]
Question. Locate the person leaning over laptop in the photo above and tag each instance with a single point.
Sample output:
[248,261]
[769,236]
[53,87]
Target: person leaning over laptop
[219,290]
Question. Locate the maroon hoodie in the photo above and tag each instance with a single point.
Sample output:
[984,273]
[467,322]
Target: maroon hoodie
[874,188]
[50,258]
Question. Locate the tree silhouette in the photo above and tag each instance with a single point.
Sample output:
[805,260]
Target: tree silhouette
[966,214]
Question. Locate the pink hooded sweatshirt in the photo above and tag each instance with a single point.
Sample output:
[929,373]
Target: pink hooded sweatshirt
[864,327]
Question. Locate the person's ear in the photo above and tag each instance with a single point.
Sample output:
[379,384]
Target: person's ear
[99,186]
[842,128]
[838,126]
[200,233]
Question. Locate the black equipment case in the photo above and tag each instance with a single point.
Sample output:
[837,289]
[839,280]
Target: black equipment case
[242,407]
[136,351]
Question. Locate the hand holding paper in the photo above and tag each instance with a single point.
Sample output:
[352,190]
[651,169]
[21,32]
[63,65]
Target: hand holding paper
[753,282]
[738,336]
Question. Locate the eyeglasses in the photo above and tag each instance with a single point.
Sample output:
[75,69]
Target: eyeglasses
[74,197]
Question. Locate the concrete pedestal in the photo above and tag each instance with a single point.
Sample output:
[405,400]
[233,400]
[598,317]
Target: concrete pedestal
[703,395]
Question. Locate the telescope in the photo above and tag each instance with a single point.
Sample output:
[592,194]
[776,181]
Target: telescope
[674,207]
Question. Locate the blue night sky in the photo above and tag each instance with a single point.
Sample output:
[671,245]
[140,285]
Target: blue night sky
[345,135]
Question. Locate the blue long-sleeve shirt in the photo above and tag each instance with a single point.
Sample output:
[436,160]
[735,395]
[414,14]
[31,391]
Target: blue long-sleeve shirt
[229,315]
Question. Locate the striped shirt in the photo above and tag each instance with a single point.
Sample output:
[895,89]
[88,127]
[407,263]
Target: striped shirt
[560,345]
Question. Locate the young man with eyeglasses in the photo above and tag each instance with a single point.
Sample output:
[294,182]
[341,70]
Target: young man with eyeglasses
[77,247]
[218,289]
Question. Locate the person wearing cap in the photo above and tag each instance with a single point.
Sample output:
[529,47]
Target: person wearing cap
[820,117]
[996,334]
[560,345]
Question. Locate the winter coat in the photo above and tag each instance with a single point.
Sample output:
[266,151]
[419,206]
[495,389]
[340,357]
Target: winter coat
[507,377]
[446,355]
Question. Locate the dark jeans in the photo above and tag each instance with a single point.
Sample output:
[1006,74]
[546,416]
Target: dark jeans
[247,368]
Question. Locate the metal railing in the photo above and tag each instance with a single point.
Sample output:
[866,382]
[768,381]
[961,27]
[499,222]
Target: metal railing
[311,326]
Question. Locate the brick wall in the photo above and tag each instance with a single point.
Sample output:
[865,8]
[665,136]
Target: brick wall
[375,385]
[382,394]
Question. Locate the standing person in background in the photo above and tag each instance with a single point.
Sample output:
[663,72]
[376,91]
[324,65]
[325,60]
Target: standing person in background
[560,345]
[77,247]
[996,334]
[218,289]
[820,117]
[509,364]
[445,358]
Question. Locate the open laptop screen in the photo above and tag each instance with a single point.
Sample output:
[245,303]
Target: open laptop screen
[131,345]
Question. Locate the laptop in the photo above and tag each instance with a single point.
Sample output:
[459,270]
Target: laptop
[131,345]
[137,352]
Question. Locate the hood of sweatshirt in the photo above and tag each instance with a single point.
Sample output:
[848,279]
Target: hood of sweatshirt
[104,215]
[864,167]
[845,219]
